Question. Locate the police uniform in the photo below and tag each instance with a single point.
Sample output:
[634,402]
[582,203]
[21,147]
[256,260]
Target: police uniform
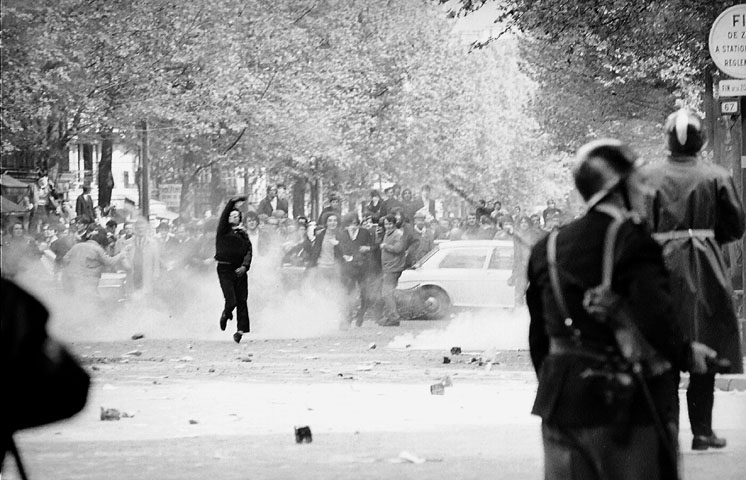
[585,434]
[693,208]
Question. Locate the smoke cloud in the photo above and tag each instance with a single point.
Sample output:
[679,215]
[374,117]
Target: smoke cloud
[283,303]
[478,330]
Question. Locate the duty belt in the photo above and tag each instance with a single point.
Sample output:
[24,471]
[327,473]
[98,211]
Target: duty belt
[664,237]
[568,346]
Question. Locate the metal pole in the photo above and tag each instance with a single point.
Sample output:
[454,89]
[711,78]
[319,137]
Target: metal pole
[739,129]
[145,206]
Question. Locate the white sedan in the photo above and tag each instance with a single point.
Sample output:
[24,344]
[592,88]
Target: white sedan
[464,274]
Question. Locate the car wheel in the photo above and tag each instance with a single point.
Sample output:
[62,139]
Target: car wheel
[436,303]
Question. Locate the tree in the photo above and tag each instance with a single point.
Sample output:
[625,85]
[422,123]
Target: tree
[605,65]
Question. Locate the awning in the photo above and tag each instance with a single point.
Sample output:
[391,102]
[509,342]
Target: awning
[8,181]
[8,207]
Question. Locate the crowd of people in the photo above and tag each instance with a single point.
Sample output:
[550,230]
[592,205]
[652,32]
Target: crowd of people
[364,250]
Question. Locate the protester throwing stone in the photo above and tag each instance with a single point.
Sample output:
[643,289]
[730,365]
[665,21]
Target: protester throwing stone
[233,252]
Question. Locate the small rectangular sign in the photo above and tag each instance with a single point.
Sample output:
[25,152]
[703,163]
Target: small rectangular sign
[730,106]
[732,88]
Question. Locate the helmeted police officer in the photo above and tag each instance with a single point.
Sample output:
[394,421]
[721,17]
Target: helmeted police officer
[604,416]
[693,209]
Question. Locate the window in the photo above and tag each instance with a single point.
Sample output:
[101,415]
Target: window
[502,258]
[126,179]
[464,258]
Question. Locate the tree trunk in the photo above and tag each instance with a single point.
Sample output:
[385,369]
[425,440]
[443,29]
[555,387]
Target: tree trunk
[105,177]
[299,197]
[188,176]
[217,189]
[188,204]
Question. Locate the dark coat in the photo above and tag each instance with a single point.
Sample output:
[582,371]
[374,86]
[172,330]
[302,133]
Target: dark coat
[360,260]
[84,208]
[564,397]
[265,206]
[692,194]
[419,205]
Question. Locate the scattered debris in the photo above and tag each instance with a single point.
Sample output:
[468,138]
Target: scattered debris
[134,353]
[446,381]
[211,370]
[303,435]
[455,350]
[245,359]
[94,367]
[137,336]
[412,458]
[110,414]
[437,389]
[446,360]
[372,346]
[193,422]
[364,368]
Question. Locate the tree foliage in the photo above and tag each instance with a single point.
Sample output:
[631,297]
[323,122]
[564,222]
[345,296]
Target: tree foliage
[610,67]
[366,91]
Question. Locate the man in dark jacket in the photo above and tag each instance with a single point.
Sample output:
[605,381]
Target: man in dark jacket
[355,243]
[594,423]
[233,252]
[272,202]
[84,206]
[694,209]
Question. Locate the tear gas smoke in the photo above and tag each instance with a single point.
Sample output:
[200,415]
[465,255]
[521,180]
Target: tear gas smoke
[481,330]
[186,304]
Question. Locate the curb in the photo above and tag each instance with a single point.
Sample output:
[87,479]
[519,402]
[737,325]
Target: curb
[726,383]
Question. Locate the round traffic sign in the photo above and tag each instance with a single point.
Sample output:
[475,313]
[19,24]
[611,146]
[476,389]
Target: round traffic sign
[728,41]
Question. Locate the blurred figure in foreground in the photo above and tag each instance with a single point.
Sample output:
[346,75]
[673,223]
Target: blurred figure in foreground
[604,339]
[694,209]
[42,383]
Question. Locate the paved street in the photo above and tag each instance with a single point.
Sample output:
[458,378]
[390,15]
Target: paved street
[201,409]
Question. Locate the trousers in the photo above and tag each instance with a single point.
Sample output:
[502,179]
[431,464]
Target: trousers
[388,286]
[236,294]
[592,453]
[700,397]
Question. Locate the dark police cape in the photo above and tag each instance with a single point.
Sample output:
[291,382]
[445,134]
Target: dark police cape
[693,211]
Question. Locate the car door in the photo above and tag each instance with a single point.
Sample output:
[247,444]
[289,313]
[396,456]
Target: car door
[499,272]
[462,274]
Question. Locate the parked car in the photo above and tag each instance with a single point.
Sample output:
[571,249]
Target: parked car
[462,274]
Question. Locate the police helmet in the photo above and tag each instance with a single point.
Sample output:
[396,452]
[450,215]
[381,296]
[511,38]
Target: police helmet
[601,166]
[685,132]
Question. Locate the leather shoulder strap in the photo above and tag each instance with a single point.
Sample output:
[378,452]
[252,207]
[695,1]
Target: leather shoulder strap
[607,268]
[554,274]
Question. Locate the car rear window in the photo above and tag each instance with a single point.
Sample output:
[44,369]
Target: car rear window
[466,258]
[502,258]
